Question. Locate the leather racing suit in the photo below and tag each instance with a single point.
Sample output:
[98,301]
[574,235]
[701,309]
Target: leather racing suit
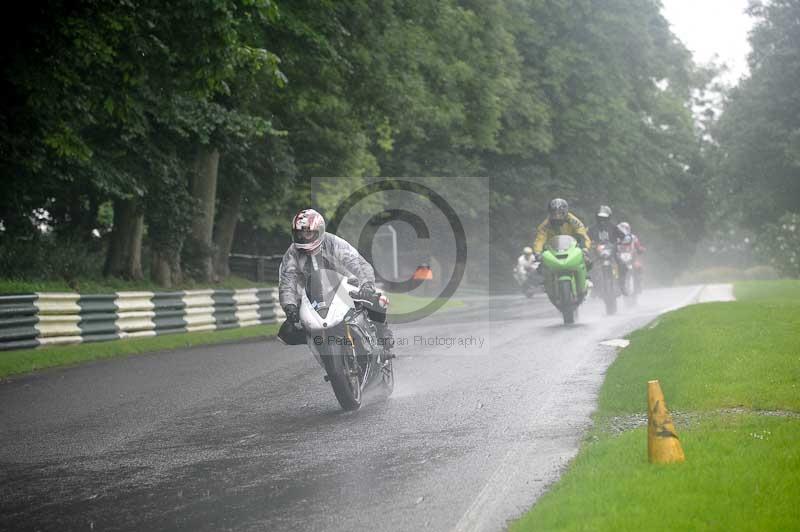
[571,226]
[336,254]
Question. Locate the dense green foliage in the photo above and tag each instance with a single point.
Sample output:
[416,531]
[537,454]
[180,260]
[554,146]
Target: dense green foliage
[132,104]
[757,159]
[780,244]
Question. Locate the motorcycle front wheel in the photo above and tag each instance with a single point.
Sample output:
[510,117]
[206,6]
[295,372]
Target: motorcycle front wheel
[628,284]
[609,293]
[529,291]
[567,301]
[344,375]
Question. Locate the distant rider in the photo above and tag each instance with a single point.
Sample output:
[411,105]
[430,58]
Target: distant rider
[625,229]
[604,231]
[313,249]
[561,222]
[526,263]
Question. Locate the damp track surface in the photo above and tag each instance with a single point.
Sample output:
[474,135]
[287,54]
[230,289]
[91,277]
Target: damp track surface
[249,437]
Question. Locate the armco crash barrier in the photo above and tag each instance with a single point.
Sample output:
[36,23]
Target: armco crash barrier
[33,320]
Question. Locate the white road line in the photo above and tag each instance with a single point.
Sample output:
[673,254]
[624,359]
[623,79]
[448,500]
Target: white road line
[496,483]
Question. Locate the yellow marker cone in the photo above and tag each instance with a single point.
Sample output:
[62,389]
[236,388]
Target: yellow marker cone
[663,445]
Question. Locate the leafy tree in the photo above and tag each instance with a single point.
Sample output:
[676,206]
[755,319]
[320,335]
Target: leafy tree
[759,130]
[780,244]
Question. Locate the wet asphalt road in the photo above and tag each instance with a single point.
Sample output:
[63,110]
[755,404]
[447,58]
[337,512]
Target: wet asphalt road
[249,437]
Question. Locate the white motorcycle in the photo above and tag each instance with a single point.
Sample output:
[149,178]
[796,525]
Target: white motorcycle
[528,278]
[336,327]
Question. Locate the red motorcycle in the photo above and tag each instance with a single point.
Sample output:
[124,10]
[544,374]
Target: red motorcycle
[629,254]
[626,259]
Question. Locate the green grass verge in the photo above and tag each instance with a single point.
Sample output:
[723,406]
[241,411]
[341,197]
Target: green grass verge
[721,366]
[110,285]
[404,303]
[768,291]
[17,362]
[741,474]
[710,356]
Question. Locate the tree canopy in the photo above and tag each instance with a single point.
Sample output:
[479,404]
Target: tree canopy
[187,119]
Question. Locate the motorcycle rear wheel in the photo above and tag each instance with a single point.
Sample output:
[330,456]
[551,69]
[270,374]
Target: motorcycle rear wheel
[344,376]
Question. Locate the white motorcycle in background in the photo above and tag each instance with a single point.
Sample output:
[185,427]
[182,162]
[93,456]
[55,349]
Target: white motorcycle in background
[336,328]
[528,278]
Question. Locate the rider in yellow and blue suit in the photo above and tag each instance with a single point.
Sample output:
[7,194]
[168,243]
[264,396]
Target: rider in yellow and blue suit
[561,222]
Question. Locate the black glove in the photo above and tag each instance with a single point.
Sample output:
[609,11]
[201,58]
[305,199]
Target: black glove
[292,313]
[367,290]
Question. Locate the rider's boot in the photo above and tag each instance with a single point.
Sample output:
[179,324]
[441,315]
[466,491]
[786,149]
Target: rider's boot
[385,339]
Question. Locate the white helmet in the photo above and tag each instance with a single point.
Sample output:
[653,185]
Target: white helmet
[308,229]
[527,250]
[558,209]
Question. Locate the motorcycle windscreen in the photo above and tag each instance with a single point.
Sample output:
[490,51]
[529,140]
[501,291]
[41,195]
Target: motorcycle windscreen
[321,287]
[561,243]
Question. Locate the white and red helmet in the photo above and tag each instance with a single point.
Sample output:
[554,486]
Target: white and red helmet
[308,229]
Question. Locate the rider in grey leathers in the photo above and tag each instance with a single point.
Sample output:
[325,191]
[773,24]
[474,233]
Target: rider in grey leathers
[314,249]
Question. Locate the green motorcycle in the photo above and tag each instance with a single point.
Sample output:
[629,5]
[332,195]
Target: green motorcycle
[564,270]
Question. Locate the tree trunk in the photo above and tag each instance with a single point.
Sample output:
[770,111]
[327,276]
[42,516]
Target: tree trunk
[165,268]
[124,256]
[226,229]
[159,270]
[120,231]
[133,268]
[204,190]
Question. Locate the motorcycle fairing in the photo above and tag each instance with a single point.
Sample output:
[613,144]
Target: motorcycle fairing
[335,309]
[563,261]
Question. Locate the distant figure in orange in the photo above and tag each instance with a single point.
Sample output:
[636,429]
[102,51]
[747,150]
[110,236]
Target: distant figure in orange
[423,273]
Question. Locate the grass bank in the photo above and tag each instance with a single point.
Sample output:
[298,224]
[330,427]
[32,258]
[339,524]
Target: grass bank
[731,376]
[111,285]
[404,303]
[28,360]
